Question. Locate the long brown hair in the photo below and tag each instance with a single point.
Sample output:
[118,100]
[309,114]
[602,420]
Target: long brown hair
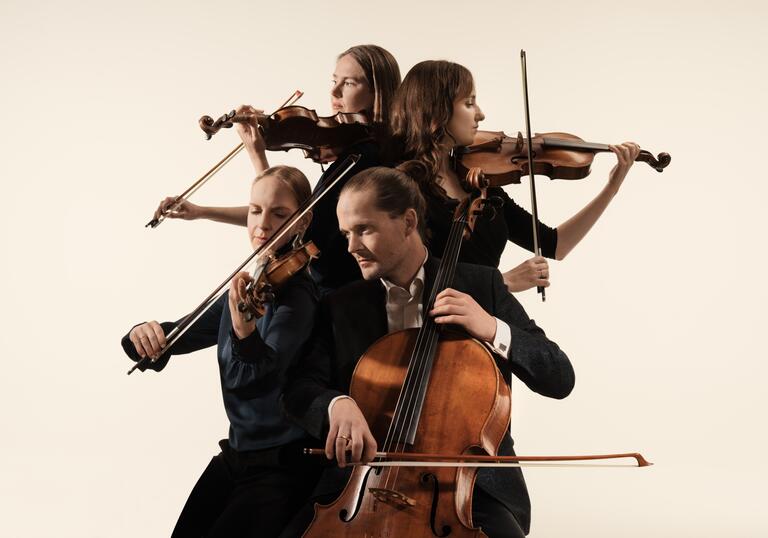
[382,74]
[422,108]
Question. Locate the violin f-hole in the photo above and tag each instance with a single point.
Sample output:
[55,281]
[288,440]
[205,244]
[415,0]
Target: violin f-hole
[427,479]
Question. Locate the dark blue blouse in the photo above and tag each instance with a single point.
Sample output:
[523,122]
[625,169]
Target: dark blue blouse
[252,370]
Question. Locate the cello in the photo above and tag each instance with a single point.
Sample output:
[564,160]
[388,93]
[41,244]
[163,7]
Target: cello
[407,385]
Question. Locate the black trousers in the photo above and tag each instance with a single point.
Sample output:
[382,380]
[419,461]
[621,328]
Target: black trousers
[247,494]
[493,517]
[490,515]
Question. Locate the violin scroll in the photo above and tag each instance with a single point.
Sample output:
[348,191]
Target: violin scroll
[210,126]
[658,163]
[257,294]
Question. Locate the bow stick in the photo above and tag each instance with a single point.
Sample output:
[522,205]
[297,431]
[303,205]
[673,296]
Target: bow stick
[409,459]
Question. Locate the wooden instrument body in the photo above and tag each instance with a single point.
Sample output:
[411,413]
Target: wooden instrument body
[466,410]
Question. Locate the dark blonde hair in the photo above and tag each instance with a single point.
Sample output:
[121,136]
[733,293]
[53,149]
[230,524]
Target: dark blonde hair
[382,74]
[421,110]
[291,177]
[395,190]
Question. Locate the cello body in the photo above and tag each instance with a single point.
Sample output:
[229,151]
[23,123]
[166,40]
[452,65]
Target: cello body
[466,410]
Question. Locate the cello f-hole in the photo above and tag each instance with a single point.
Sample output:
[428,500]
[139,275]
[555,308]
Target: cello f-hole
[344,513]
[427,479]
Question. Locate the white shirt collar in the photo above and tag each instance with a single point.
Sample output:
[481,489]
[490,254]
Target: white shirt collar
[417,283]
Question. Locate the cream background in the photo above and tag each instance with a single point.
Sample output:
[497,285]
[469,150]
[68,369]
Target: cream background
[660,308]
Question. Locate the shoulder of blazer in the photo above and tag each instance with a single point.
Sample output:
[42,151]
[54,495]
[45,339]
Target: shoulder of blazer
[475,275]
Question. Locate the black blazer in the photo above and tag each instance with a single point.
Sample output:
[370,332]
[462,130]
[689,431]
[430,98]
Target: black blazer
[353,317]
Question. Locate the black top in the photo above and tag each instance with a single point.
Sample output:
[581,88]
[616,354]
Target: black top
[352,318]
[335,266]
[492,230]
[252,370]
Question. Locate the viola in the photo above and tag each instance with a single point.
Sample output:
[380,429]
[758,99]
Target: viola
[272,276]
[504,159]
[322,138]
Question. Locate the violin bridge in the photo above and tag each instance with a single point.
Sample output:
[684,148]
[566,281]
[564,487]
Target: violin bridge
[392,498]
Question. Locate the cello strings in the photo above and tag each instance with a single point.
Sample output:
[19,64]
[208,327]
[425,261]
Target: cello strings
[393,429]
[396,426]
[423,356]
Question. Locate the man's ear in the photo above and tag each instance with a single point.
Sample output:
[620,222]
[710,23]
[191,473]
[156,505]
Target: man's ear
[411,221]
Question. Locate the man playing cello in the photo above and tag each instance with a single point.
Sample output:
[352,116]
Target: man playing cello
[381,213]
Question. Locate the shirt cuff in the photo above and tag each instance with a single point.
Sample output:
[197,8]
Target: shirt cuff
[250,349]
[501,342]
[330,405]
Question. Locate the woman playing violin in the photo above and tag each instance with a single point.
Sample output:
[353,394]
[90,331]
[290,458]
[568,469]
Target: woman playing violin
[365,79]
[435,111]
[249,488]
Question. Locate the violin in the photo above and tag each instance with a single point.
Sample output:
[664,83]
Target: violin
[271,277]
[282,269]
[504,159]
[156,221]
[322,138]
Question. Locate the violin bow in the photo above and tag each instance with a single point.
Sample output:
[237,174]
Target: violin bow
[155,222]
[203,307]
[534,206]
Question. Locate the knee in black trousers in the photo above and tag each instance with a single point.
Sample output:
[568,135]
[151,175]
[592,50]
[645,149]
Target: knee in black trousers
[493,517]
